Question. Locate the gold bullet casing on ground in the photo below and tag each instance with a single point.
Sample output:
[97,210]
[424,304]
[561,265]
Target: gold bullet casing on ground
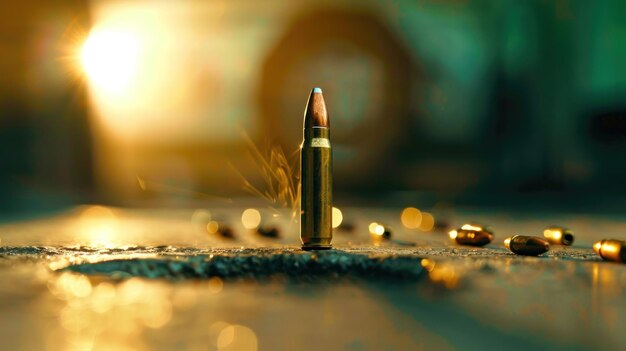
[379,232]
[472,235]
[527,245]
[558,235]
[611,250]
[316,200]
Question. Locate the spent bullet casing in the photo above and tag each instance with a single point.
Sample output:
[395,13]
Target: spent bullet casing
[527,245]
[611,250]
[316,176]
[379,232]
[558,235]
[472,235]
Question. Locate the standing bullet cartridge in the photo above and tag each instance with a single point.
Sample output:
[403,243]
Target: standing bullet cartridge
[526,245]
[316,200]
[558,235]
[472,235]
[611,250]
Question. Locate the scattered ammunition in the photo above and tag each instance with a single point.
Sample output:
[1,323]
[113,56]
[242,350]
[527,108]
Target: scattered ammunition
[472,234]
[316,198]
[558,235]
[268,231]
[611,250]
[221,229]
[527,245]
[379,231]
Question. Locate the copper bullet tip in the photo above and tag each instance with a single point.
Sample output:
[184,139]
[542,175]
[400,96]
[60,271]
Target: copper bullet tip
[597,246]
[315,114]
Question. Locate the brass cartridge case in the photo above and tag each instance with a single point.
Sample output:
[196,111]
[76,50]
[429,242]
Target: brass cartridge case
[316,197]
[611,250]
[558,235]
[527,245]
[472,235]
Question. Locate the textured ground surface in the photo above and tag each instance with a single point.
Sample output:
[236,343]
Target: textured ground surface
[99,278]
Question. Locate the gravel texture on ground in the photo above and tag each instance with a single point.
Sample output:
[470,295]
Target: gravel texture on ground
[388,262]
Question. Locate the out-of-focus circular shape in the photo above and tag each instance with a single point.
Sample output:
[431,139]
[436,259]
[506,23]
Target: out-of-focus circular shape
[251,218]
[337,217]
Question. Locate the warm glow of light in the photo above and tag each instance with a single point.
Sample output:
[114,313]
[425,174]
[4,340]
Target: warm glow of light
[215,285]
[91,315]
[428,264]
[376,228]
[237,337]
[453,234]
[109,57]
[552,233]
[158,314]
[70,286]
[251,218]
[607,249]
[200,217]
[445,275]
[99,226]
[372,227]
[103,297]
[507,242]
[428,222]
[226,337]
[379,230]
[471,227]
[212,227]
[597,246]
[337,217]
[411,217]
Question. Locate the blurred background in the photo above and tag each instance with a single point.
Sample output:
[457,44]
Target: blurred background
[155,103]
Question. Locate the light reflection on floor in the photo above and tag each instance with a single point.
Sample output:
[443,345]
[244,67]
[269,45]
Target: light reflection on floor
[476,298]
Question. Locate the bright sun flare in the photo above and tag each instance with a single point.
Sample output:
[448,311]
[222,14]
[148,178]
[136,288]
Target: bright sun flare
[109,58]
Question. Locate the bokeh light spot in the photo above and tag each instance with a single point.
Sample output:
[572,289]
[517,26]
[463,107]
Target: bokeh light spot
[109,58]
[411,217]
[337,217]
[212,227]
[251,218]
[428,222]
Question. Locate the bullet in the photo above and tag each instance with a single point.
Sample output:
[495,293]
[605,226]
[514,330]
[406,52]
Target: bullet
[611,250]
[526,245]
[379,232]
[558,235]
[316,200]
[472,235]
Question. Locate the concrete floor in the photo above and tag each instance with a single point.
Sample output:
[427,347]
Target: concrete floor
[97,278]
